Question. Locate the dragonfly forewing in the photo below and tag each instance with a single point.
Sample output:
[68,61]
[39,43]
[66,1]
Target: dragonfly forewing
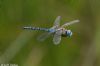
[57,21]
[70,23]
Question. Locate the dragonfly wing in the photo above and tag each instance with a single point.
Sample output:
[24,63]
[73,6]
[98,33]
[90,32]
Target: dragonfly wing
[57,21]
[46,35]
[57,37]
[70,23]
[43,36]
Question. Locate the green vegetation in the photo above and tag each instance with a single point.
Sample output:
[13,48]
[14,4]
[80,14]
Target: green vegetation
[18,46]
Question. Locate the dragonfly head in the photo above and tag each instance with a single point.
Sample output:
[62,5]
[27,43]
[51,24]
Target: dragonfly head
[69,33]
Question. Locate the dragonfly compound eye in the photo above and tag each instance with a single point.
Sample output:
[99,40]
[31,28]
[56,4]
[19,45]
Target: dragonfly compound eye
[69,33]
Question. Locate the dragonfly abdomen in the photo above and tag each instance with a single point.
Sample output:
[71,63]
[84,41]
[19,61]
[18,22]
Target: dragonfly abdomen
[36,28]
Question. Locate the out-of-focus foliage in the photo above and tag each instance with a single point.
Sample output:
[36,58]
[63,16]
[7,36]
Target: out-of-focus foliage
[18,46]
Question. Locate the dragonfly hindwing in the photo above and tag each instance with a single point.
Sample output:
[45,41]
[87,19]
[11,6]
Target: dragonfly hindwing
[57,37]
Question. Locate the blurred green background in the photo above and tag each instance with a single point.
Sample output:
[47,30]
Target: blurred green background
[18,46]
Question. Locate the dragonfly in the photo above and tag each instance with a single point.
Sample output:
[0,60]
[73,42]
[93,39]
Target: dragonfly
[56,30]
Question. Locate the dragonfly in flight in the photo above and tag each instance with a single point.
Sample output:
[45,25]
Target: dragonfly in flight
[57,30]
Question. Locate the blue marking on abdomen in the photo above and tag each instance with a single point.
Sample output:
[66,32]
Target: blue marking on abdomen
[51,30]
[37,28]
